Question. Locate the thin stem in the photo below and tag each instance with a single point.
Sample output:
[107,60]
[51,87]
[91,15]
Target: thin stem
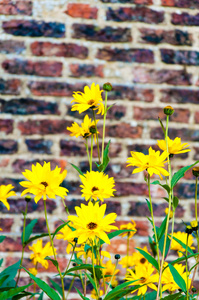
[95,279]
[91,156]
[23,240]
[127,250]
[111,278]
[98,151]
[196,191]
[100,262]
[70,287]
[85,277]
[71,257]
[104,123]
[187,272]
[54,253]
[87,151]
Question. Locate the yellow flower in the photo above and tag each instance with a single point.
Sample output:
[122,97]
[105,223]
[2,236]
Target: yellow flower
[85,130]
[135,259]
[130,226]
[168,280]
[174,146]
[153,162]
[97,185]
[109,270]
[90,223]
[63,235]
[39,253]
[94,295]
[166,212]
[91,98]
[44,182]
[33,271]
[5,192]
[182,236]
[143,275]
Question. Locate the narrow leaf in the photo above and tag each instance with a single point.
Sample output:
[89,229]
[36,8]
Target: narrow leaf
[59,228]
[162,228]
[57,287]
[55,263]
[2,238]
[180,173]
[183,245]
[28,230]
[178,278]
[35,237]
[115,233]
[105,162]
[175,202]
[172,297]
[81,295]
[1,261]
[149,258]
[148,204]
[78,170]
[41,296]
[12,292]
[161,244]
[92,281]
[164,186]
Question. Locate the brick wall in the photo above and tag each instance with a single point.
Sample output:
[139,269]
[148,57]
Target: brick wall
[148,50]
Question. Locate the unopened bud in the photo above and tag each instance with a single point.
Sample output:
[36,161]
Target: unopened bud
[168,110]
[195,171]
[117,256]
[75,240]
[194,225]
[28,199]
[107,87]
[188,229]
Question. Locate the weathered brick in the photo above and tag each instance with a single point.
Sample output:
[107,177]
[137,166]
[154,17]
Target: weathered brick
[49,88]
[11,245]
[107,34]
[77,70]
[4,162]
[185,133]
[13,181]
[130,188]
[34,28]
[10,86]
[136,14]
[196,117]
[182,57]
[181,3]
[153,114]
[6,224]
[126,55]
[10,46]
[185,19]
[40,226]
[147,2]
[196,156]
[72,186]
[159,36]
[72,148]
[185,190]
[27,106]
[120,246]
[39,146]
[27,67]
[124,130]
[9,7]
[80,10]
[8,146]
[131,92]
[174,77]
[179,96]
[6,125]
[141,148]
[192,209]
[43,127]
[60,50]
[19,165]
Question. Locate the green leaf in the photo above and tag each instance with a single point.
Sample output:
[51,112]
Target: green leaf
[44,286]
[112,295]
[149,258]
[41,296]
[59,228]
[24,294]
[11,271]
[148,204]
[110,106]
[84,298]
[161,124]
[28,231]
[92,281]
[78,170]
[115,233]
[12,292]
[161,244]
[105,162]
[161,230]
[88,267]
[35,237]
[55,263]
[1,261]
[183,258]
[172,297]
[164,186]
[177,278]
[150,221]
[180,173]
[175,202]
[57,287]
[183,245]
[2,238]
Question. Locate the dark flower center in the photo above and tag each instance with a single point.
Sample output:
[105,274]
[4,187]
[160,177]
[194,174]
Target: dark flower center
[92,226]
[91,102]
[142,279]
[142,260]
[44,183]
[94,189]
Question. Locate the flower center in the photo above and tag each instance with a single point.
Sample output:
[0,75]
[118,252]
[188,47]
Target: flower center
[44,183]
[94,189]
[91,225]
[142,260]
[91,102]
[142,280]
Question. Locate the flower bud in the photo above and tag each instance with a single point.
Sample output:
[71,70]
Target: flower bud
[117,256]
[107,87]
[188,229]
[195,171]
[28,199]
[92,129]
[75,240]
[168,110]
[194,225]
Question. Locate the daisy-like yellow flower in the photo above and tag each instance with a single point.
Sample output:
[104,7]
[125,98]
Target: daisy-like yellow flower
[40,252]
[85,130]
[33,271]
[131,226]
[63,235]
[97,185]
[135,259]
[42,182]
[168,281]
[182,236]
[153,162]
[94,294]
[109,270]
[174,146]
[143,275]
[91,98]
[90,223]
[5,192]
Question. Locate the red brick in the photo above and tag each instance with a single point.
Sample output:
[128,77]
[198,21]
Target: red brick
[181,3]
[144,2]
[6,125]
[6,224]
[77,70]
[10,86]
[43,127]
[174,77]
[131,92]
[136,14]
[78,10]
[196,117]
[119,246]
[8,146]
[60,50]
[124,130]
[185,19]
[41,146]
[179,96]
[9,7]
[182,57]
[130,188]
[72,148]
[19,165]
[159,36]
[115,150]
[153,114]
[10,46]
[4,162]
[192,209]
[48,68]
[11,245]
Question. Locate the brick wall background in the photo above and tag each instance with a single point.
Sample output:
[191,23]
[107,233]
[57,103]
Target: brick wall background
[147,49]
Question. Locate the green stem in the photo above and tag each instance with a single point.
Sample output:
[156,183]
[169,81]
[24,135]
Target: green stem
[111,278]
[104,123]
[85,279]
[51,241]
[127,251]
[71,257]
[100,262]
[98,151]
[23,240]
[91,156]
[187,272]
[70,287]
[196,191]
[95,279]
[87,151]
